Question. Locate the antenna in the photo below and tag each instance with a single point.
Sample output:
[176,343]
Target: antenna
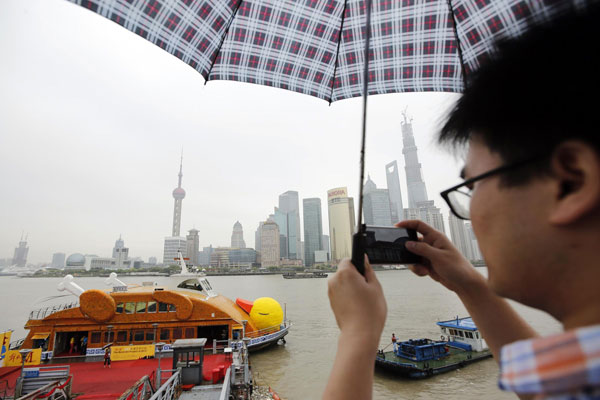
[364,117]
[358,250]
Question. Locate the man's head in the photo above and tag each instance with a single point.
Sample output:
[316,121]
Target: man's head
[536,101]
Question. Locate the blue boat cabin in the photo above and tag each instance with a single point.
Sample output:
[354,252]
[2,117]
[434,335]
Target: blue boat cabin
[421,350]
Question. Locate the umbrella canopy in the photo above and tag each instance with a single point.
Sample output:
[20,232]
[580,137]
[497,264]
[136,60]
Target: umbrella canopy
[316,46]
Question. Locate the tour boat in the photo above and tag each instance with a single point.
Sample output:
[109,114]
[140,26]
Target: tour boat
[460,344]
[147,314]
[304,275]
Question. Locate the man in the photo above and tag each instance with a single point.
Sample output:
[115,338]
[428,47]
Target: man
[532,192]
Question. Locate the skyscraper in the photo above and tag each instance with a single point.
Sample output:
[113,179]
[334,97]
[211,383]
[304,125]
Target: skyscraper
[175,242]
[460,236]
[58,260]
[289,205]
[237,237]
[281,219]
[257,236]
[395,194]
[193,246]
[178,195]
[313,229]
[414,177]
[20,255]
[376,205]
[341,222]
[474,245]
[119,244]
[269,251]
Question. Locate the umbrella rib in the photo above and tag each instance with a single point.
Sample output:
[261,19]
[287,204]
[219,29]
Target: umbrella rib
[337,53]
[214,60]
[460,54]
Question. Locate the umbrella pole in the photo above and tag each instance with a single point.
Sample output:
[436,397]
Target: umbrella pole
[358,251]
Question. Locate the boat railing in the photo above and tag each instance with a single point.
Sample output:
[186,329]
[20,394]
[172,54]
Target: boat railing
[42,313]
[141,390]
[169,389]
[268,330]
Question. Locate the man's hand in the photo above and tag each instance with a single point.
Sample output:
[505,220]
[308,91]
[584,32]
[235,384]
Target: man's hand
[360,310]
[357,302]
[441,260]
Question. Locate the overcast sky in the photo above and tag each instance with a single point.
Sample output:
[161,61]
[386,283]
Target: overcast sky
[93,119]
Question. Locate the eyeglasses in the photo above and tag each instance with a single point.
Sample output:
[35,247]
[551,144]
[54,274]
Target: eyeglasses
[458,197]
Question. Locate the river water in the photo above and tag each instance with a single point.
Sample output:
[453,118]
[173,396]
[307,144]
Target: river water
[299,370]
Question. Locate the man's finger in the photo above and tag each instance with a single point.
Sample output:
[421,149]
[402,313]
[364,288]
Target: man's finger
[422,249]
[419,269]
[417,225]
[369,272]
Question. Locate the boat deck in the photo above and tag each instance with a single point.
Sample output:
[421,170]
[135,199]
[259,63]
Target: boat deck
[421,369]
[92,380]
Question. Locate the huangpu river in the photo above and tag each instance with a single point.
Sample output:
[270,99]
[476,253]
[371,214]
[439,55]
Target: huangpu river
[299,369]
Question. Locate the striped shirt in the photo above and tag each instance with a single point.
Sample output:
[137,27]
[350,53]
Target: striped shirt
[559,367]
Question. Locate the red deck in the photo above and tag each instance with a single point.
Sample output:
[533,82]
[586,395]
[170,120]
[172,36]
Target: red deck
[92,381]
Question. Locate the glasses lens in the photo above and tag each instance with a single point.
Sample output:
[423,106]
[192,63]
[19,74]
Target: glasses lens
[461,203]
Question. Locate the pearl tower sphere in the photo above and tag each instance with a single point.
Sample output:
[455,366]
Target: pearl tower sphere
[178,195]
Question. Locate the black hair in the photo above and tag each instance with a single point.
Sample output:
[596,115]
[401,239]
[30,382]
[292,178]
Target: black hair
[538,90]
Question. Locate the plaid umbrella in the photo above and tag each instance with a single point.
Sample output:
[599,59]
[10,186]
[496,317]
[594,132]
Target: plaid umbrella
[316,46]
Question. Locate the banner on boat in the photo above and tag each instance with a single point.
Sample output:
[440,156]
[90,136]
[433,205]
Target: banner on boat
[120,353]
[13,358]
[4,342]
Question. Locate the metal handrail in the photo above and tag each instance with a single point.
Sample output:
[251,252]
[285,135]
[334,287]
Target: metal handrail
[42,313]
[265,331]
[139,391]
[169,389]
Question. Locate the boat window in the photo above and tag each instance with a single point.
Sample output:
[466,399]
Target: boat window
[452,332]
[206,284]
[141,307]
[138,336]
[164,334]
[177,333]
[460,333]
[172,308]
[163,307]
[192,284]
[96,336]
[122,336]
[129,308]
[119,309]
[151,306]
[149,335]
[109,337]
[190,333]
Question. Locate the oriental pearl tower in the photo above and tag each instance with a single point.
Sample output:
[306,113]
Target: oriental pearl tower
[178,195]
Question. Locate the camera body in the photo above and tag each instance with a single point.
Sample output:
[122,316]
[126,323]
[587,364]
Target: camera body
[384,245]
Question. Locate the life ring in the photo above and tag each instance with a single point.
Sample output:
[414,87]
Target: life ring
[443,338]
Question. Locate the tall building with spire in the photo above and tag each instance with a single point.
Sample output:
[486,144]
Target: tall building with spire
[414,177]
[20,256]
[237,236]
[176,242]
[178,195]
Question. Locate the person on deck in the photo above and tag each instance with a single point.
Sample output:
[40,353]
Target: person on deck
[71,344]
[107,357]
[532,192]
[394,341]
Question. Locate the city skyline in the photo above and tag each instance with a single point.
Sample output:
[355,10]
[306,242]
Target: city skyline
[77,181]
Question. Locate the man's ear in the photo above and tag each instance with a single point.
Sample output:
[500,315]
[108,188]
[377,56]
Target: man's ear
[576,170]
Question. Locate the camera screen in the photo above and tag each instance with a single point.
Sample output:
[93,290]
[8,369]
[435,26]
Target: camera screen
[385,245]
